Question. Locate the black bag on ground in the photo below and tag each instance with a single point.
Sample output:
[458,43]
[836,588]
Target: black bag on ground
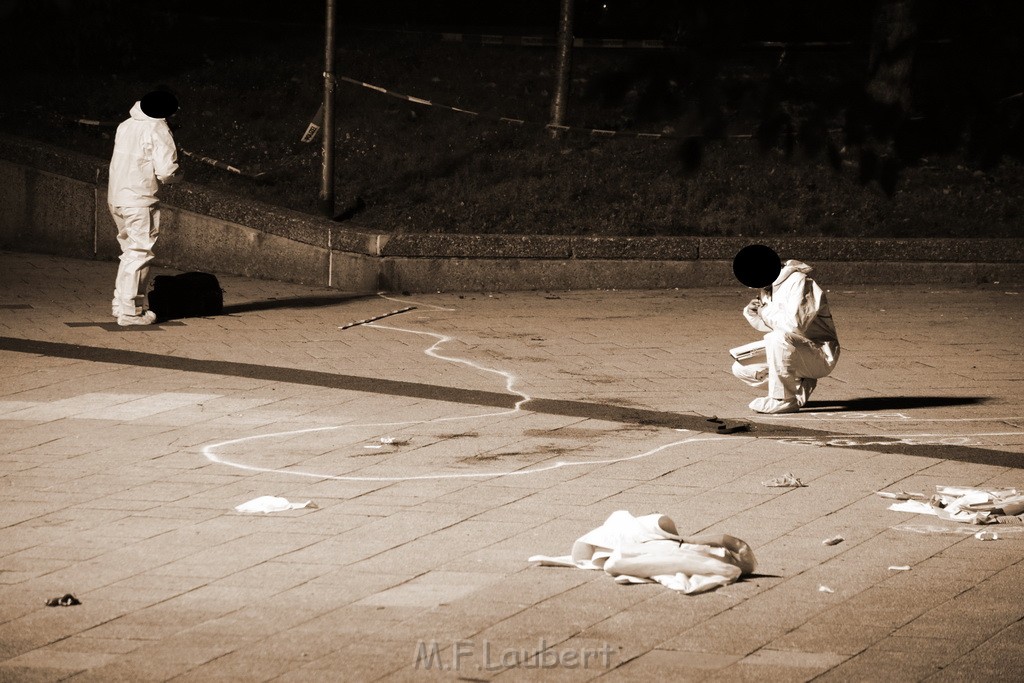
[189,295]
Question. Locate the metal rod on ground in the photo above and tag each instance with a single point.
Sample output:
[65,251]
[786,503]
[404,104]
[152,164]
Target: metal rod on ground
[377,317]
[563,69]
[327,174]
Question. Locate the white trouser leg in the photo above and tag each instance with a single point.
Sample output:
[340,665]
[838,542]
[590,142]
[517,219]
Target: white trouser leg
[790,359]
[137,230]
[754,374]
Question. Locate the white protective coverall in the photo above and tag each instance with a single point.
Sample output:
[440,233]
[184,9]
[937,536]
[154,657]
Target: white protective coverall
[801,344]
[144,158]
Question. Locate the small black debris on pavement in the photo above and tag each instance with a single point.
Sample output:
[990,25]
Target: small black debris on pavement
[729,427]
[66,600]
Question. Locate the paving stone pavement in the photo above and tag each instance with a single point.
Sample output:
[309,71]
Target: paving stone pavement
[445,445]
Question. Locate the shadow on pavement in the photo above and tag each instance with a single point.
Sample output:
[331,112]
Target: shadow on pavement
[872,403]
[296,302]
[925,447]
[114,327]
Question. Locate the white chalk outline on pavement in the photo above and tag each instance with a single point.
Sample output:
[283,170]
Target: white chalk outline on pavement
[209,451]
[510,379]
[857,440]
[835,440]
[212,457]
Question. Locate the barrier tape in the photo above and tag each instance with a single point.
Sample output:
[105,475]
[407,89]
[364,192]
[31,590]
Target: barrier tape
[315,124]
[190,154]
[95,123]
[593,132]
[220,164]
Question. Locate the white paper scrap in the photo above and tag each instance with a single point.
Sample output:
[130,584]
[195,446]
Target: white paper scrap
[914,506]
[901,495]
[272,504]
[786,480]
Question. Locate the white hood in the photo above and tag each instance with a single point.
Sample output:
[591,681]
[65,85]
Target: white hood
[139,115]
[788,268]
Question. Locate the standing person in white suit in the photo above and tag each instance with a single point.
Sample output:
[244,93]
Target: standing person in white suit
[800,341]
[144,158]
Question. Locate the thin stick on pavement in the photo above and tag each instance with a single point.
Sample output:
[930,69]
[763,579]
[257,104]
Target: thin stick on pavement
[378,317]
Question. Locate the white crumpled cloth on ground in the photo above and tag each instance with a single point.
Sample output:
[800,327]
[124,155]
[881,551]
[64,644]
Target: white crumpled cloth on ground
[648,549]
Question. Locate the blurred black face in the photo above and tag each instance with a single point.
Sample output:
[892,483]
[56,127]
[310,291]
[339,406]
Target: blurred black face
[756,265]
[159,104]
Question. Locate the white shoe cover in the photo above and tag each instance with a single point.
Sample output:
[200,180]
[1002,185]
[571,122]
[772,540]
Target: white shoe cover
[774,406]
[147,318]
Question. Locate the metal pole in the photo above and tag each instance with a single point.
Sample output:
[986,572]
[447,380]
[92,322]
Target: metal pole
[564,68]
[327,174]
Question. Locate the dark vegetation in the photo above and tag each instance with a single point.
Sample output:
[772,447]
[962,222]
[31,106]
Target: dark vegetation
[919,136]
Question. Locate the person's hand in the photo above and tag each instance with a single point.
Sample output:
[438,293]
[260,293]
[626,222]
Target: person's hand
[754,307]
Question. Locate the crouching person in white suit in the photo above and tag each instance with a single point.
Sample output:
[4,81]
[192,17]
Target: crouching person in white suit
[144,158]
[801,345]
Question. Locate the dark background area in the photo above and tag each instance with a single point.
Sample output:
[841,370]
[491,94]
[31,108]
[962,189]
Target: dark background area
[51,27]
[786,136]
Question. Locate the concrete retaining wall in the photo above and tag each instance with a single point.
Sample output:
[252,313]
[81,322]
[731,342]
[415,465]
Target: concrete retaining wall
[54,201]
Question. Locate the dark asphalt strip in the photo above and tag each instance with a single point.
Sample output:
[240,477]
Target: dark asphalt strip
[582,409]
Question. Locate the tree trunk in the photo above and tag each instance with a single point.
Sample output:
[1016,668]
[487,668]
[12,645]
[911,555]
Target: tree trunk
[559,102]
[893,41]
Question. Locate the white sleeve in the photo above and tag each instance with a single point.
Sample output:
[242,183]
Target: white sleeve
[755,320]
[165,155]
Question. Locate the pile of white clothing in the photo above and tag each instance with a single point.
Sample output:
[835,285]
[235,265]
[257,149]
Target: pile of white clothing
[648,549]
